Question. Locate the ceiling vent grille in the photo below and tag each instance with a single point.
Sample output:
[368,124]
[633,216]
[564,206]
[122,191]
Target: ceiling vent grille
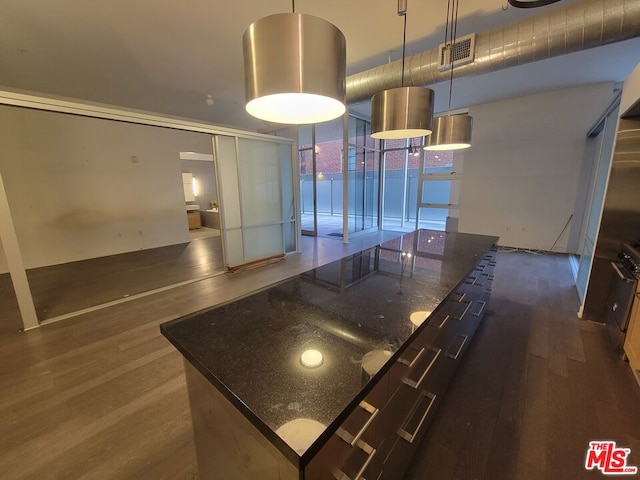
[462,52]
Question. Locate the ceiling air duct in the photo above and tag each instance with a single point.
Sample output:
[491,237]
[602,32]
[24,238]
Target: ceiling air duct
[578,26]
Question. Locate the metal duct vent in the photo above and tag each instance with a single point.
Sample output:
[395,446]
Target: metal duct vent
[579,25]
[461,53]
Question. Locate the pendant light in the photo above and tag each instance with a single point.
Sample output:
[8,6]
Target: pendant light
[403,112]
[294,69]
[450,132]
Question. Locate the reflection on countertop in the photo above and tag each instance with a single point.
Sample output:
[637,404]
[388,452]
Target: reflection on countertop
[251,349]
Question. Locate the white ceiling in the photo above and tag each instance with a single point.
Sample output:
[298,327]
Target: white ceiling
[166,56]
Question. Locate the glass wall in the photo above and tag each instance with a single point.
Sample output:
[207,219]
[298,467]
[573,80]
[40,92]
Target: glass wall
[320,155]
[414,188]
[363,176]
[415,197]
[440,188]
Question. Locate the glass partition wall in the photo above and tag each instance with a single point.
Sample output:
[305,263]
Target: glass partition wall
[255,185]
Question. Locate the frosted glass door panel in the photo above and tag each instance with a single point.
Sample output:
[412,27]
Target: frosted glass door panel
[263,241]
[288,198]
[260,188]
[289,232]
[228,175]
[258,212]
[234,250]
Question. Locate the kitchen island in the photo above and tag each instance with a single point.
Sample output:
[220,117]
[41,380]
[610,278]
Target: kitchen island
[337,372]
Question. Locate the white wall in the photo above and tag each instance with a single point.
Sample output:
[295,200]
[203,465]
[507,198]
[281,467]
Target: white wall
[75,192]
[522,173]
[631,91]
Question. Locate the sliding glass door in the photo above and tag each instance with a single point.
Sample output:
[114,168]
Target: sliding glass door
[308,179]
[257,209]
[363,177]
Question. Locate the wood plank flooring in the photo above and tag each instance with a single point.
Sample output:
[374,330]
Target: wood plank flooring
[103,395]
[79,285]
[536,386]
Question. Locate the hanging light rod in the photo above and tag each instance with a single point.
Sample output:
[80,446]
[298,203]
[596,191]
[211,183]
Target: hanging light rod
[294,69]
[450,132]
[413,150]
[403,112]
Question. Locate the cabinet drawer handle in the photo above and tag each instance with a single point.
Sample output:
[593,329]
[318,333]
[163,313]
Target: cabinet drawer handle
[457,354]
[411,363]
[410,437]
[416,384]
[465,311]
[353,439]
[367,407]
[478,312]
[366,448]
[438,321]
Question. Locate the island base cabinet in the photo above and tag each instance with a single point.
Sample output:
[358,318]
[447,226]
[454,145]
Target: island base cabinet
[228,446]
[338,460]
[357,449]
[632,340]
[377,433]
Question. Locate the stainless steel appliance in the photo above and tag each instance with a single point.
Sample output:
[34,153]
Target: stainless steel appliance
[620,216]
[622,292]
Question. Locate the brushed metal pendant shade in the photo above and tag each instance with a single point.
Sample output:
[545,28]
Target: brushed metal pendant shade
[403,112]
[295,69]
[450,132]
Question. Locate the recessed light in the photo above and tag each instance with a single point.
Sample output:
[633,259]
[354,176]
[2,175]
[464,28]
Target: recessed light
[311,358]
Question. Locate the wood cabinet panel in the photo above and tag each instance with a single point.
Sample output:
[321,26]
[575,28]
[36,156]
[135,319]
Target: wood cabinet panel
[194,220]
[410,432]
[354,450]
[632,340]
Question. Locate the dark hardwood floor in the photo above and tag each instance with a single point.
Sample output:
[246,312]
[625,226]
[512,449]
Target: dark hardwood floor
[536,386]
[102,395]
[80,285]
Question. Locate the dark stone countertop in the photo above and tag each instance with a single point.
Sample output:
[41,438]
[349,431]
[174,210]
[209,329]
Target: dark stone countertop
[250,349]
